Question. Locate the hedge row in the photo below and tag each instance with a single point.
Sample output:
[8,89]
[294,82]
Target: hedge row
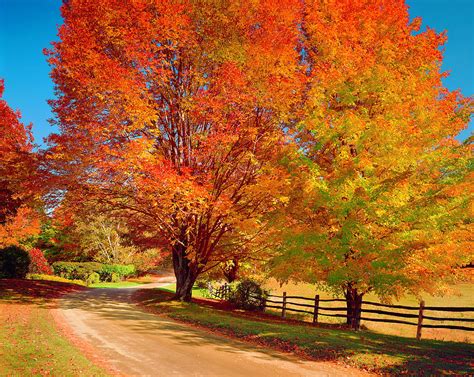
[92,272]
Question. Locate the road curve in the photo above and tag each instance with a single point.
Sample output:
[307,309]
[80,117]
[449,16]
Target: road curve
[136,343]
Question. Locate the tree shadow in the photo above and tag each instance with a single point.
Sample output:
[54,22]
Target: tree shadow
[115,304]
[38,292]
[387,354]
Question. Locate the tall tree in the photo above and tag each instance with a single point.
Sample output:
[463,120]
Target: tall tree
[18,218]
[170,112]
[385,191]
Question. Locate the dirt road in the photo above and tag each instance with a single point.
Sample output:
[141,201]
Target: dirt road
[136,343]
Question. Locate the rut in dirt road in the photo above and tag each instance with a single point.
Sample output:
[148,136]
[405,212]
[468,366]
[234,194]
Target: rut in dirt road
[137,343]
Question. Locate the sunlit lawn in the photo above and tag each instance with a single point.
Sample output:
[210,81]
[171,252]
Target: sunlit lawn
[197,292]
[461,295]
[119,284]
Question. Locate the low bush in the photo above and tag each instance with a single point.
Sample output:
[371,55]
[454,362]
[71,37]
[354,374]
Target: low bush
[83,270]
[248,295]
[93,278]
[14,262]
[116,272]
[202,283]
[76,270]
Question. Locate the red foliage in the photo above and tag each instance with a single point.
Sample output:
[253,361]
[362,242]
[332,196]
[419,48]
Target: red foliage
[39,264]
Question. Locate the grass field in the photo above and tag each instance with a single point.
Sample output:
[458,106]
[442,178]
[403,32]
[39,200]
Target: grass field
[132,282]
[197,292]
[461,295]
[30,342]
[119,284]
[387,354]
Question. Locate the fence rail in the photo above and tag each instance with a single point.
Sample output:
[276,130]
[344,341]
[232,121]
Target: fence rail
[418,312]
[221,293]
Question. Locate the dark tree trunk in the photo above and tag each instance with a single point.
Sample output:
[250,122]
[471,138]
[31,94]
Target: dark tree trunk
[353,305]
[186,274]
[230,272]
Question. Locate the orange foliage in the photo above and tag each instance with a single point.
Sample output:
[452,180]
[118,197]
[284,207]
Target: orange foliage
[18,220]
[170,118]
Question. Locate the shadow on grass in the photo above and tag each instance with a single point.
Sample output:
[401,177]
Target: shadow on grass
[39,292]
[387,354]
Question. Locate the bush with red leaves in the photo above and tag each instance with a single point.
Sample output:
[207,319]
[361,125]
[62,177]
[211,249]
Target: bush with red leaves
[39,264]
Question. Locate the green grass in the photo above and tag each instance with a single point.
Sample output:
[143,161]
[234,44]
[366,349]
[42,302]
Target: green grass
[55,278]
[34,347]
[120,284]
[197,292]
[30,342]
[363,349]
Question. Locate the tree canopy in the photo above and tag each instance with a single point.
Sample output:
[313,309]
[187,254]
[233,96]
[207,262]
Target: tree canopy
[383,200]
[18,197]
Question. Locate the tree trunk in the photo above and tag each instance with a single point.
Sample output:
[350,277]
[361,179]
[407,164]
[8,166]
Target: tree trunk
[186,274]
[230,272]
[354,306]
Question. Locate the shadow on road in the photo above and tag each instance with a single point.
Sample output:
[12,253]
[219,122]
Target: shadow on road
[114,305]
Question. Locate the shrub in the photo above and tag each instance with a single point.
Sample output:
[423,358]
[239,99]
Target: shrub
[248,295]
[82,270]
[116,272]
[38,263]
[76,270]
[14,262]
[202,283]
[93,278]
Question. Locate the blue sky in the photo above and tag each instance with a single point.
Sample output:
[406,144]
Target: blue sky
[28,26]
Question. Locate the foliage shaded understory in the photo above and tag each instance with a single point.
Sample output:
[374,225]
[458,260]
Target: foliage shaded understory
[363,349]
[30,343]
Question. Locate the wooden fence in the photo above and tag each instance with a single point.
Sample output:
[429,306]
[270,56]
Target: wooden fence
[317,307]
[221,292]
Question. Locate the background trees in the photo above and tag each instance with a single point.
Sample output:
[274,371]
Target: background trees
[383,199]
[170,113]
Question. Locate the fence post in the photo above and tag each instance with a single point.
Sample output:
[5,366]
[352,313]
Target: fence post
[316,309]
[353,314]
[420,320]
[358,315]
[283,309]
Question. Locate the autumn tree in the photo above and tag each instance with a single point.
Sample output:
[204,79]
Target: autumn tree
[170,113]
[383,192]
[18,199]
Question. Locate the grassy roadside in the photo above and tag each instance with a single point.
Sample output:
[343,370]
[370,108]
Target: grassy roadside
[366,350]
[30,342]
[120,284]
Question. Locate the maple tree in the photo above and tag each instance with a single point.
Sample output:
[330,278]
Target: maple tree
[19,219]
[38,262]
[383,192]
[170,116]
